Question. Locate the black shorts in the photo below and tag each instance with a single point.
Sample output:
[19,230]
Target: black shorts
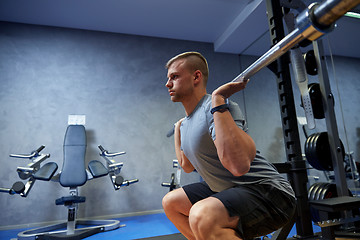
[262,208]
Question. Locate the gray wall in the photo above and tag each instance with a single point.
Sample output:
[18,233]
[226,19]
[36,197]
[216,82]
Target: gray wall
[117,81]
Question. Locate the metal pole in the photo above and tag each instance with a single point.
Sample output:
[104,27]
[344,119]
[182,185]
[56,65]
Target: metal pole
[312,23]
[331,124]
[297,173]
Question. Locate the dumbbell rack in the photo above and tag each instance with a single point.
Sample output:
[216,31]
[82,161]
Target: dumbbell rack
[295,167]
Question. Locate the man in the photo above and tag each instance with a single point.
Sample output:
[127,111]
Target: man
[242,195]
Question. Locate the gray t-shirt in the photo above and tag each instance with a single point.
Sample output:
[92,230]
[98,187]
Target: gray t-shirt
[197,135]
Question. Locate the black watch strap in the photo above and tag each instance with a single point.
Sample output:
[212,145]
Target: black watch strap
[220,108]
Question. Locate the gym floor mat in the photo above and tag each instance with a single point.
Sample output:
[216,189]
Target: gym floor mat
[142,227]
[177,236]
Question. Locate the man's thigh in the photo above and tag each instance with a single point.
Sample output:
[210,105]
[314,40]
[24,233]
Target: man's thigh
[178,201]
[197,191]
[215,210]
[261,209]
[200,195]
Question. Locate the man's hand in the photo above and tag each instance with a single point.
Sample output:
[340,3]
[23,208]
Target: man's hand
[228,89]
[178,123]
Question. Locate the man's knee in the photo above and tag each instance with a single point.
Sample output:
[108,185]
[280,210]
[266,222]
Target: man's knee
[201,218]
[168,201]
[176,200]
[209,216]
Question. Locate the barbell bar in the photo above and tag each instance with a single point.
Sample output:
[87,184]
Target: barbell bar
[312,23]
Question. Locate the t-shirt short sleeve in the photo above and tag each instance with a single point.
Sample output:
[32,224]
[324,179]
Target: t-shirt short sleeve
[235,113]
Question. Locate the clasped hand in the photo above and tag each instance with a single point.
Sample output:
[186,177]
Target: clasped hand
[226,90]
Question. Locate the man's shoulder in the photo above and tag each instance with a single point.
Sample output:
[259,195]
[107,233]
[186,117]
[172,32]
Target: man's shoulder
[207,102]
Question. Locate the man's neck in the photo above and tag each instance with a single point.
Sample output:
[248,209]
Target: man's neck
[191,103]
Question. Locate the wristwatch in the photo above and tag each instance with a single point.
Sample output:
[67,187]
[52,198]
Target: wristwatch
[220,108]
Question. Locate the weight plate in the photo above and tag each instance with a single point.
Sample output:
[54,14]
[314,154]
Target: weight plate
[313,154]
[313,151]
[311,189]
[318,190]
[331,191]
[323,188]
[316,100]
[315,189]
[307,148]
[310,63]
[308,151]
[323,191]
[312,194]
[322,151]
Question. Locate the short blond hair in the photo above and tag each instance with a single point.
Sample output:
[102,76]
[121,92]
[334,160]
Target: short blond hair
[194,61]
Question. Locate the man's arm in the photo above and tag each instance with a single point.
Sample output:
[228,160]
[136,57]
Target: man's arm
[183,160]
[235,148]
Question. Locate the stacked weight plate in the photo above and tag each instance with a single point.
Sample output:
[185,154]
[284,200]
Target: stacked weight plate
[317,151]
[320,191]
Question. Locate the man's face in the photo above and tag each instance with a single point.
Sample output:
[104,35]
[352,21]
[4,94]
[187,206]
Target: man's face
[180,81]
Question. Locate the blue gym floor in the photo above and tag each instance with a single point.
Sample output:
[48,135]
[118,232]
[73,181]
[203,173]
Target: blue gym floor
[143,226]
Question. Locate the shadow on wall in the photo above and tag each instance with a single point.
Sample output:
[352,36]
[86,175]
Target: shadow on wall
[275,151]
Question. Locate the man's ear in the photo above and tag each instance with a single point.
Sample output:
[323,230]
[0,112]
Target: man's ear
[197,77]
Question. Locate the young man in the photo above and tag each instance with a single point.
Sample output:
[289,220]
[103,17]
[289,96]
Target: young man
[242,195]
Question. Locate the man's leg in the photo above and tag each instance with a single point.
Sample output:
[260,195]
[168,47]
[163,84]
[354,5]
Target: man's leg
[209,219]
[177,208]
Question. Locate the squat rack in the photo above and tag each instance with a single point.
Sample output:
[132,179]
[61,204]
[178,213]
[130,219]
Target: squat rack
[312,23]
